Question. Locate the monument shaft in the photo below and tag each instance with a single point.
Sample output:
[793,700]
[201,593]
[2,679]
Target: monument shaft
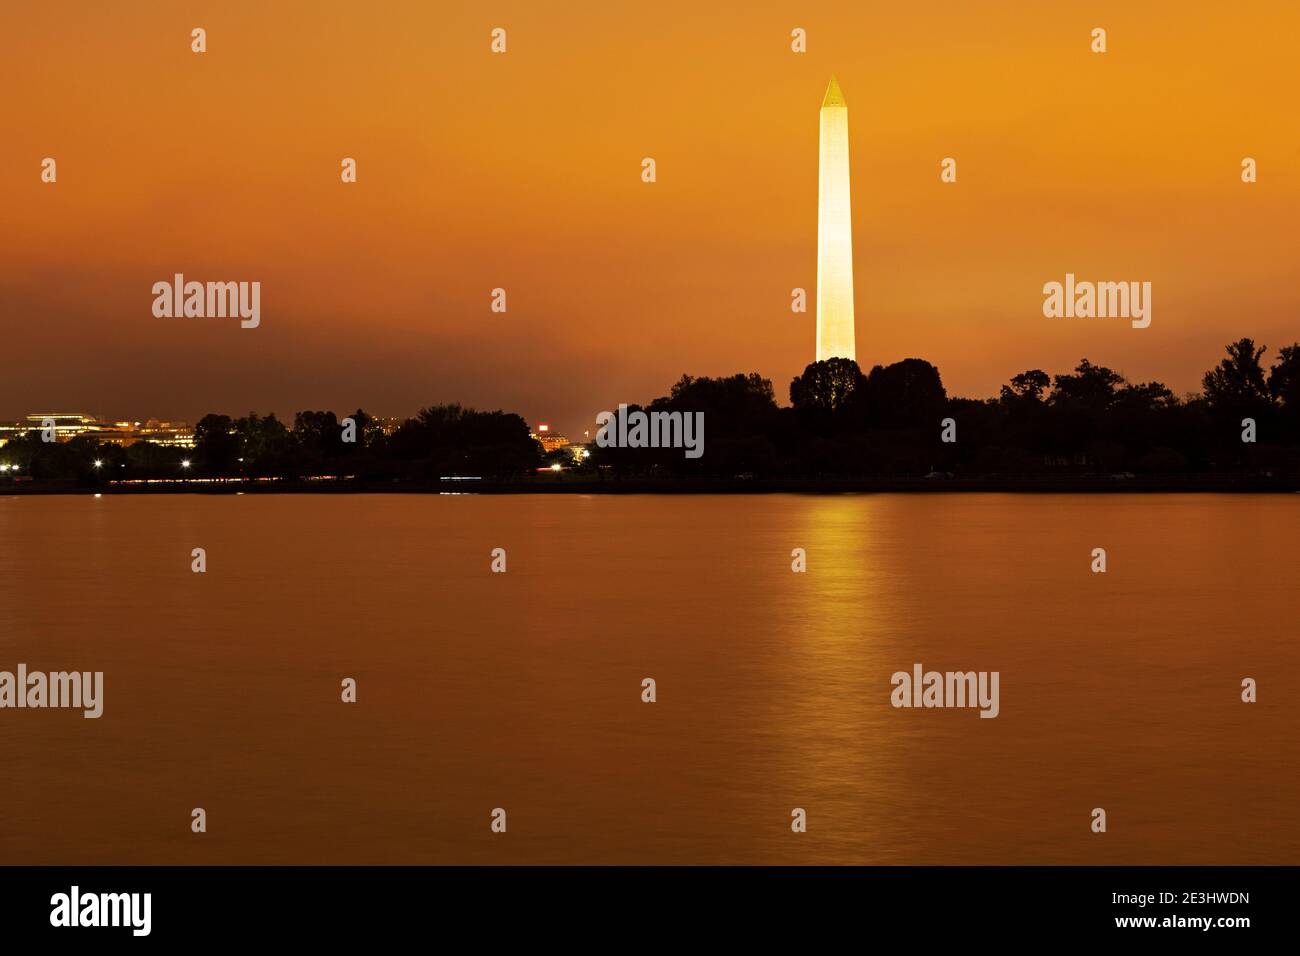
[834,232]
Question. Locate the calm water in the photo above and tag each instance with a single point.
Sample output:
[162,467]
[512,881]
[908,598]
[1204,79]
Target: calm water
[522,690]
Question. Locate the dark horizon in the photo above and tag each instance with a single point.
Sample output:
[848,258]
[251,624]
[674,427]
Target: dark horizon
[388,414]
[895,420]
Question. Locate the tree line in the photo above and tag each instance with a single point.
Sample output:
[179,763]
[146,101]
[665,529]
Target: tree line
[439,440]
[892,421]
[841,422]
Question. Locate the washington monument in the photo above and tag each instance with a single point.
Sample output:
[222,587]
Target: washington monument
[834,232]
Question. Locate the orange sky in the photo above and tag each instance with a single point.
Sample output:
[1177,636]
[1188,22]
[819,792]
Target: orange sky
[523,171]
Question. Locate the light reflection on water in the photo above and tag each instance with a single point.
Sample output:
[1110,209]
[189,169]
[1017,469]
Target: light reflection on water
[523,690]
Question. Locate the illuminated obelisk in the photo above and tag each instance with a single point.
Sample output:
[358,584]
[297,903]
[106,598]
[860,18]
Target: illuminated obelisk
[834,232]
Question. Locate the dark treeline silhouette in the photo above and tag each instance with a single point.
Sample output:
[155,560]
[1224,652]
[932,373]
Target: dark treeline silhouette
[439,440]
[841,423]
[891,421]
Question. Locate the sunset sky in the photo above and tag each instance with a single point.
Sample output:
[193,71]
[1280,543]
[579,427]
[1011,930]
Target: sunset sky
[522,171]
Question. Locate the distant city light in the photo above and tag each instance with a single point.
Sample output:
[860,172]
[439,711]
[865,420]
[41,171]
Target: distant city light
[185,463]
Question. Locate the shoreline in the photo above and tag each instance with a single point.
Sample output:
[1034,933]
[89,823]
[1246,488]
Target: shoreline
[1154,484]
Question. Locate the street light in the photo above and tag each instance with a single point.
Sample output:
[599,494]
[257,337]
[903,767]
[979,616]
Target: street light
[185,463]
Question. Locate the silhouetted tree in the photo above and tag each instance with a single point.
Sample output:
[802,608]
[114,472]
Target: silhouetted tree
[1144,397]
[368,433]
[741,427]
[740,402]
[215,445]
[1284,385]
[1237,384]
[1090,388]
[1026,387]
[319,434]
[827,386]
[906,393]
[453,440]
[267,447]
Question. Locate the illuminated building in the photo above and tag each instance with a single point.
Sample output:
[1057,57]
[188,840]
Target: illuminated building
[834,232]
[70,425]
[67,425]
[172,434]
[549,440]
